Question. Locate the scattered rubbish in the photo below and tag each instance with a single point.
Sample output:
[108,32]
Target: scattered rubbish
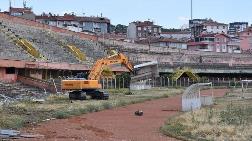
[5,99]
[14,134]
[39,101]
[139,113]
[48,119]
[4,134]
[31,136]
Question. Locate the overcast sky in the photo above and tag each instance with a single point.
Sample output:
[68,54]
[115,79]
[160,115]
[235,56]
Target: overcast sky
[167,13]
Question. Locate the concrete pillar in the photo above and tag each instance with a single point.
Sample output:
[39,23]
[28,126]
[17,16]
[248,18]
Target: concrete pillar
[102,83]
[46,74]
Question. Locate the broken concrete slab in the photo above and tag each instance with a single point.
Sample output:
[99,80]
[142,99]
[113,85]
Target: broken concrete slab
[10,133]
[32,136]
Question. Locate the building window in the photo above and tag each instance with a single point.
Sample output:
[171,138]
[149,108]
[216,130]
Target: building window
[217,27]
[155,30]
[224,27]
[139,35]
[145,28]
[10,70]
[139,28]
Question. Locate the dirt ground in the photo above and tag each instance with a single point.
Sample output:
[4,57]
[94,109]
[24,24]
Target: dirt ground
[119,124]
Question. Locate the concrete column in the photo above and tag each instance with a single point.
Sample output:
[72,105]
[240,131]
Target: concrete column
[46,74]
[102,83]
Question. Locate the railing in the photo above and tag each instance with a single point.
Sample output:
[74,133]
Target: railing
[21,42]
[27,46]
[77,52]
[73,49]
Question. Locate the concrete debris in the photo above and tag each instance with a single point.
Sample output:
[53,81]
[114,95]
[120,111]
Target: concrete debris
[9,134]
[14,134]
[5,99]
[32,136]
[39,101]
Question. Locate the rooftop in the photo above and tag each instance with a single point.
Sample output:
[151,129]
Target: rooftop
[145,23]
[170,40]
[71,17]
[212,23]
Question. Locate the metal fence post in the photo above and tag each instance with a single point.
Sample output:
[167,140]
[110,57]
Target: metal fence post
[123,82]
[188,83]
[115,83]
[111,84]
[184,82]
[180,82]
[229,83]
[218,81]
[234,83]
[160,81]
[102,83]
[107,83]
[168,81]
[119,84]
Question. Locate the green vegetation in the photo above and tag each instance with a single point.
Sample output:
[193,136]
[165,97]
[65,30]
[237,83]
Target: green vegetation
[229,119]
[22,113]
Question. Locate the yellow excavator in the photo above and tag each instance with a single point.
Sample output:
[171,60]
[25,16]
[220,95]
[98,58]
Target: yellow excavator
[80,88]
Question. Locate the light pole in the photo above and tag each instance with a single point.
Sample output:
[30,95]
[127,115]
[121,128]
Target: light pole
[191,9]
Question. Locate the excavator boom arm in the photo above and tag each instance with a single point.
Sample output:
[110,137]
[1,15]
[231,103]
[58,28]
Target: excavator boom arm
[97,69]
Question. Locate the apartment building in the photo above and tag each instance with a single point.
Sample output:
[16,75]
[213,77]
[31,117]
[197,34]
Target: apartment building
[215,42]
[236,27]
[208,27]
[140,30]
[99,25]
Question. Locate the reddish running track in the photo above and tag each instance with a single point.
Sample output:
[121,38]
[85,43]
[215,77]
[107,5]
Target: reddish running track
[119,124]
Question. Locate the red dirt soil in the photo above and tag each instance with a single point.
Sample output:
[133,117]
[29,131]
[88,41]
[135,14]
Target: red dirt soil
[119,124]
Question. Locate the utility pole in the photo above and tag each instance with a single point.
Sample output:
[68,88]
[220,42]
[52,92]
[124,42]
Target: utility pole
[191,9]
[10,4]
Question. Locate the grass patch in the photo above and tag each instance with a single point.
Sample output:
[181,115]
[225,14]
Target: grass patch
[27,112]
[229,119]
[61,114]
[12,122]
